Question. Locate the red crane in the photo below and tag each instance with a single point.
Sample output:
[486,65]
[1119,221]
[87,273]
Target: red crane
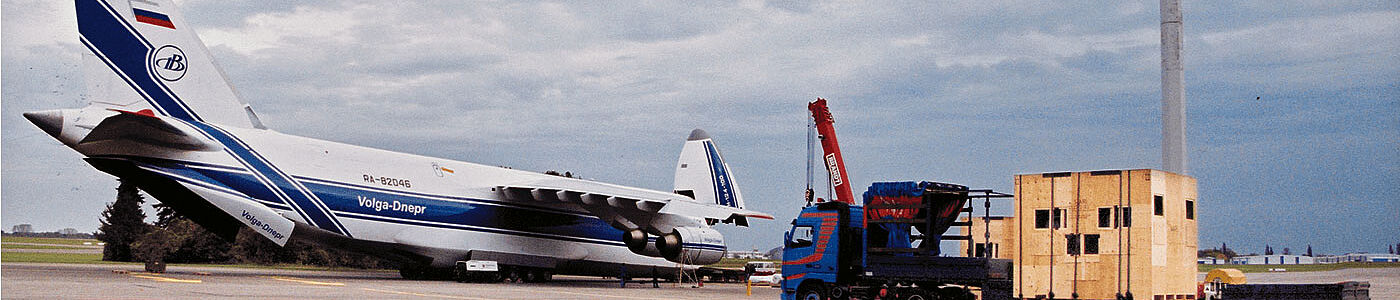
[831,152]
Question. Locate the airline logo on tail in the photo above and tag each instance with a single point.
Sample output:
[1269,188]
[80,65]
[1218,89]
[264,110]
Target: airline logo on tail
[724,188]
[169,63]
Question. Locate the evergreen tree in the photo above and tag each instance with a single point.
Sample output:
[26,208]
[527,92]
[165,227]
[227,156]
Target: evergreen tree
[193,243]
[1286,251]
[1268,250]
[123,223]
[1310,250]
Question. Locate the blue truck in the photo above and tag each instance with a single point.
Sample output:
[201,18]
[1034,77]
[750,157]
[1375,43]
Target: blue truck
[887,248]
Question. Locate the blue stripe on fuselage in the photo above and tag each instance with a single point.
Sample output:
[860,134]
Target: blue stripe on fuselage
[304,202]
[491,218]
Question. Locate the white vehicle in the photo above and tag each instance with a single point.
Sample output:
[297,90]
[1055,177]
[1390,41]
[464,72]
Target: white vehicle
[164,118]
[761,267]
[770,279]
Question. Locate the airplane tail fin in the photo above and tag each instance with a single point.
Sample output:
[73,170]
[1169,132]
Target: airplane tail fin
[143,55]
[703,175]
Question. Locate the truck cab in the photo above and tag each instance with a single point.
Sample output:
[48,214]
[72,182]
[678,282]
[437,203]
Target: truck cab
[812,252]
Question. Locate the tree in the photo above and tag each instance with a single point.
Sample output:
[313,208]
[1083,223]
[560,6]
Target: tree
[1268,250]
[193,243]
[1286,251]
[1310,250]
[155,245]
[123,223]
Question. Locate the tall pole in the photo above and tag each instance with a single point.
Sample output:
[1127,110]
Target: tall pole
[1173,90]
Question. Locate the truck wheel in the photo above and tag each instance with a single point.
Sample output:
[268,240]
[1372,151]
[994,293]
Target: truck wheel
[915,294]
[811,292]
[955,293]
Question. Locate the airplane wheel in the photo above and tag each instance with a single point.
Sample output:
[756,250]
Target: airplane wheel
[411,272]
[513,275]
[538,275]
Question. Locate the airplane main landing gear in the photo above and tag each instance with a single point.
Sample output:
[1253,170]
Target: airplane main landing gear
[490,272]
[419,272]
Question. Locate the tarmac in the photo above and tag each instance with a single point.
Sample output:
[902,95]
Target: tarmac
[96,281]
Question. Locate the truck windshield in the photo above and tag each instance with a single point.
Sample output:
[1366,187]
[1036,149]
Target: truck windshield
[801,237]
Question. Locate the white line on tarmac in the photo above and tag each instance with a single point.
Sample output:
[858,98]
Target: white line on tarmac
[424,295]
[607,296]
[167,279]
[299,280]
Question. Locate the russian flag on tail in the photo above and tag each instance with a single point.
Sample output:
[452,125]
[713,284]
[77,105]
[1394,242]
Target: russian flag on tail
[153,18]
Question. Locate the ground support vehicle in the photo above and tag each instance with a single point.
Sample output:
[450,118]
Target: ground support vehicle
[837,251]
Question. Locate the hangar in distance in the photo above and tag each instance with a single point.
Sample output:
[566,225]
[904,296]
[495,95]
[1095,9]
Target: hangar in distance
[164,117]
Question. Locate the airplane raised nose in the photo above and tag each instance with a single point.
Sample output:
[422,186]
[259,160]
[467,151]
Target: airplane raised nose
[51,121]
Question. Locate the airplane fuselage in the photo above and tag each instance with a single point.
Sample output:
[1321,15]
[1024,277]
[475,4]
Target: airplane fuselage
[437,208]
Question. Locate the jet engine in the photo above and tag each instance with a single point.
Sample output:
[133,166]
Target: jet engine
[636,240]
[692,245]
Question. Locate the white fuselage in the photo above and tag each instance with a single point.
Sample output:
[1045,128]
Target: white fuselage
[438,208]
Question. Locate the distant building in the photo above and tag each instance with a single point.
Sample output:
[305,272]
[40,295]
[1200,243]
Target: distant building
[68,231]
[23,228]
[1359,257]
[1273,260]
[1211,261]
[755,254]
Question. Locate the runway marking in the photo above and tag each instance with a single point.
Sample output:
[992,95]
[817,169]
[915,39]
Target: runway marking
[167,279]
[299,280]
[423,295]
[604,296]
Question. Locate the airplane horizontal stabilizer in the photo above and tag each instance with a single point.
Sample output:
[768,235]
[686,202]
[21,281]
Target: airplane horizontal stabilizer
[147,129]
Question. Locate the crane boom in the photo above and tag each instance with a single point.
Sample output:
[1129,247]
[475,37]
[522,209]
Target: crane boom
[831,151]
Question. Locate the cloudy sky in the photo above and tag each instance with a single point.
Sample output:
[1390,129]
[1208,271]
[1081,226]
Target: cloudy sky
[1293,107]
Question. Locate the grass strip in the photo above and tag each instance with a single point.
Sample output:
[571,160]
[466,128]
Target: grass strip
[38,240]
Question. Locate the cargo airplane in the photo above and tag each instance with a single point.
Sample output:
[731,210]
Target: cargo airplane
[164,118]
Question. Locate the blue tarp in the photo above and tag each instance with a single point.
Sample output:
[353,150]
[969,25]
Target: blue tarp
[897,235]
[910,192]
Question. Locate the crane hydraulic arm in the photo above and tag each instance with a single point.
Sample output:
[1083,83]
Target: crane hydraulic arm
[831,151]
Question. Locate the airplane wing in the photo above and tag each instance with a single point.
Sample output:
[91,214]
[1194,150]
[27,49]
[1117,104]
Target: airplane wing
[629,208]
